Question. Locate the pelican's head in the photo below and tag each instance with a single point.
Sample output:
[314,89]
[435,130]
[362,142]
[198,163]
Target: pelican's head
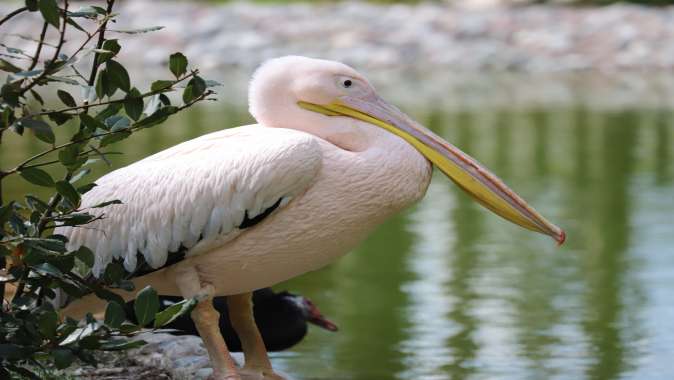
[330,99]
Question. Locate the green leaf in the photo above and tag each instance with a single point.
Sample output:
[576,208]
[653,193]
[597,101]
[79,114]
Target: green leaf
[178,64]
[35,204]
[68,192]
[37,177]
[146,305]
[54,243]
[80,333]
[47,269]
[66,98]
[85,255]
[75,25]
[161,85]
[100,10]
[75,219]
[28,74]
[174,311]
[63,357]
[164,99]
[118,75]
[65,80]
[195,87]
[59,118]
[101,84]
[64,262]
[122,344]
[10,95]
[114,315]
[6,117]
[105,86]
[114,272]
[68,155]
[50,12]
[31,5]
[128,328]
[157,117]
[110,49]
[110,110]
[37,96]
[8,66]
[108,203]
[90,123]
[114,137]
[108,295]
[138,31]
[47,323]
[41,130]
[133,104]
[86,11]
[117,123]
[86,188]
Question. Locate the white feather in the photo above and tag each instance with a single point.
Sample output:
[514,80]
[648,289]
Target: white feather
[199,189]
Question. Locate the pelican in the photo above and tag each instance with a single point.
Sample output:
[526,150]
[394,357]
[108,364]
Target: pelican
[246,208]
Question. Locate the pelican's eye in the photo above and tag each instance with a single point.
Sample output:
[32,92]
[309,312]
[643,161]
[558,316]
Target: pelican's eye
[346,82]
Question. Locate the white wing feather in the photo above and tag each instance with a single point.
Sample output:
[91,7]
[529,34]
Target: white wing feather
[195,194]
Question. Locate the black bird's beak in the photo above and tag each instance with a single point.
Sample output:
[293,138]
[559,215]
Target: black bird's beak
[316,317]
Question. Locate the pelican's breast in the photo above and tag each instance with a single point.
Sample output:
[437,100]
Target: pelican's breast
[353,193]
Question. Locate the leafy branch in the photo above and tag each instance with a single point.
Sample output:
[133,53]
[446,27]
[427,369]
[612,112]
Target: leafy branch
[159,87]
[34,262]
[156,118]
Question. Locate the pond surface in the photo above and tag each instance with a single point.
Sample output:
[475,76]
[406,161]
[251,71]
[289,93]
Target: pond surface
[447,290]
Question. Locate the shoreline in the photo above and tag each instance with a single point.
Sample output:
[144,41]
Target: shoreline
[547,56]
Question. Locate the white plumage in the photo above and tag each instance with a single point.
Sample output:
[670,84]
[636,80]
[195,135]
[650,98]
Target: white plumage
[194,194]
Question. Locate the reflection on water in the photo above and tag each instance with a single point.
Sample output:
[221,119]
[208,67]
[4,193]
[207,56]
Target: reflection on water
[449,291]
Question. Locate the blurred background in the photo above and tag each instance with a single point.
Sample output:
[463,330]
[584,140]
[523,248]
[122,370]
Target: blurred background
[570,102]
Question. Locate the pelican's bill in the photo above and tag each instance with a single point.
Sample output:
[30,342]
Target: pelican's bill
[485,187]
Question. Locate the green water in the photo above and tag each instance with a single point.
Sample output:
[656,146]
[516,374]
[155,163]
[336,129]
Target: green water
[449,291]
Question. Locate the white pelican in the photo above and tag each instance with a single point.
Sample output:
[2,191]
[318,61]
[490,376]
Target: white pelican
[248,207]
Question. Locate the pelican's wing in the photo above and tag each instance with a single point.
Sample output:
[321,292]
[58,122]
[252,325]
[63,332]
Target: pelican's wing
[195,196]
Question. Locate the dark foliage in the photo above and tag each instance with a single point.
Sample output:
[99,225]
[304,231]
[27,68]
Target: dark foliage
[35,264]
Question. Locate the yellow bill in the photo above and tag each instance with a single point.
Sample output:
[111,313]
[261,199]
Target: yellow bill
[466,172]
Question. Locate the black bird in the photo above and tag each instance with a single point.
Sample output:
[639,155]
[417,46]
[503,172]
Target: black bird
[281,318]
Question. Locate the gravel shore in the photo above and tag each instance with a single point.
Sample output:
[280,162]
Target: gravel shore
[611,56]
[528,39]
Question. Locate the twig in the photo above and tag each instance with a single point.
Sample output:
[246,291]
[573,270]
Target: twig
[92,150]
[62,36]
[89,37]
[36,57]
[99,44]
[12,14]
[56,199]
[107,102]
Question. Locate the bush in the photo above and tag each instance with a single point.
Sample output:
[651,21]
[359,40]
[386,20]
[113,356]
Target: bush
[35,262]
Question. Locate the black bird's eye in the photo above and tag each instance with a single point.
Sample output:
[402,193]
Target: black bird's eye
[348,83]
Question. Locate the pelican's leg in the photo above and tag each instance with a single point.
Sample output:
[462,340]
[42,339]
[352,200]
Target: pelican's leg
[257,365]
[206,320]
